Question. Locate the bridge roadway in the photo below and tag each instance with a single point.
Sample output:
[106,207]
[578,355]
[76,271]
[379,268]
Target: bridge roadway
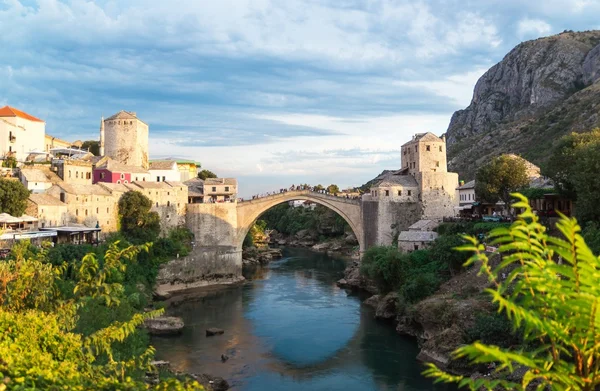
[249,211]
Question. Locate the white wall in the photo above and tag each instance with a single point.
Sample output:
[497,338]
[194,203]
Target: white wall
[29,136]
[170,175]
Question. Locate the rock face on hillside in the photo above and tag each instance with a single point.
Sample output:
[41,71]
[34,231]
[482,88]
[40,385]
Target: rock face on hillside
[541,90]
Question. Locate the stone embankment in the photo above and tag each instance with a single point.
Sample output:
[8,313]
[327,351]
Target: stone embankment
[346,244]
[439,322]
[260,256]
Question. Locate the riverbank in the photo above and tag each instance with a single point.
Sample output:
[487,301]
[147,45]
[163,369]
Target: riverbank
[440,323]
[335,245]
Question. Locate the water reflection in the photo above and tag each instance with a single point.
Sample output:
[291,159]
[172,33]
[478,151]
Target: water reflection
[290,327]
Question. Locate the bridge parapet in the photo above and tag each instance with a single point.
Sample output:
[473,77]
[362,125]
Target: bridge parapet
[291,193]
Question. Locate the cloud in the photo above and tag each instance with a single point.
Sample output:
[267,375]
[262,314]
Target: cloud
[322,90]
[529,28]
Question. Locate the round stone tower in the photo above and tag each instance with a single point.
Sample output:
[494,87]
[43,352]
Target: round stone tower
[124,138]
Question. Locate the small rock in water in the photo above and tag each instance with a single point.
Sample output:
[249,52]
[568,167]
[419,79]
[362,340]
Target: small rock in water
[214,331]
[224,357]
[164,325]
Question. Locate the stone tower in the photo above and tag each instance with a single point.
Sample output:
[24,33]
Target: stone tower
[424,157]
[124,138]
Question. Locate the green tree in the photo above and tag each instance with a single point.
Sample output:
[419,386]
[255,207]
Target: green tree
[442,251]
[10,162]
[13,197]
[138,223]
[40,345]
[564,164]
[499,178]
[206,174]
[319,187]
[93,146]
[333,189]
[554,303]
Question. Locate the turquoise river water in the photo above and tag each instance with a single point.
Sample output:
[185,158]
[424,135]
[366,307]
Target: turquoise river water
[289,327]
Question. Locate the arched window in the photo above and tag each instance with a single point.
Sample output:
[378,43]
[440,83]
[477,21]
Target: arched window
[118,182]
[122,176]
[106,210]
[168,203]
[86,212]
[76,212]
[97,210]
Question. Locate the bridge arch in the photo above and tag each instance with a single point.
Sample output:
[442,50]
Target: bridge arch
[349,209]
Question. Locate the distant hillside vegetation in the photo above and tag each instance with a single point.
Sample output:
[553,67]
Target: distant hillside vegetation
[541,90]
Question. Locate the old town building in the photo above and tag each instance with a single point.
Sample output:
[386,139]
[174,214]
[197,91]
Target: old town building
[20,133]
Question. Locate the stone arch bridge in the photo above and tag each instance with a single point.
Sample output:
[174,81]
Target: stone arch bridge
[349,209]
[220,228]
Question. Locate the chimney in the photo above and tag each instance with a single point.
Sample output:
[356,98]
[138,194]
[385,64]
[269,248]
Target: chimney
[444,137]
[102,136]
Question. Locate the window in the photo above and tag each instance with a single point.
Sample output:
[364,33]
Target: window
[76,174]
[387,193]
[88,175]
[410,192]
[136,179]
[122,176]
[168,193]
[77,198]
[76,212]
[69,173]
[416,148]
[86,212]
[62,197]
[106,210]
[97,210]
[168,203]
[214,188]
[9,149]
[102,175]
[226,188]
[144,179]
[399,192]
[440,148]
[428,148]
[157,204]
[416,246]
[437,164]
[118,182]
[163,179]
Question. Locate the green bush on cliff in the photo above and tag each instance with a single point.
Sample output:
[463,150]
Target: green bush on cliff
[554,302]
[414,276]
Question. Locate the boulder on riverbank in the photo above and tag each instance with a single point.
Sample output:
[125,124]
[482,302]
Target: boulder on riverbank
[164,325]
[211,383]
[354,281]
[214,331]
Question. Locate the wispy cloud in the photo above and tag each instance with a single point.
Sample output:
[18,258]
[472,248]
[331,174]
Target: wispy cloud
[245,85]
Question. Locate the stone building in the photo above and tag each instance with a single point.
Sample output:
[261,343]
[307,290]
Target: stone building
[52,142]
[90,205]
[124,138]
[108,170]
[50,211]
[20,133]
[73,171]
[424,157]
[220,189]
[35,180]
[164,171]
[188,168]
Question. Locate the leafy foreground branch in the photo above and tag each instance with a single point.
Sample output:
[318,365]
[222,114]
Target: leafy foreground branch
[40,347]
[550,291]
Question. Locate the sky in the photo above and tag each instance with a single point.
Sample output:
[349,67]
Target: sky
[272,92]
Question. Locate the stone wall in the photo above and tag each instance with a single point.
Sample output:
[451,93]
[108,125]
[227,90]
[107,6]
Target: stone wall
[214,258]
[202,267]
[48,215]
[213,224]
[438,194]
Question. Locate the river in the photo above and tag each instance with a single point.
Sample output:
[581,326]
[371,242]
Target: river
[289,327]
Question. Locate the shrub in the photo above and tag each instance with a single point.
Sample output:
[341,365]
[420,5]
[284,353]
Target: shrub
[494,328]
[555,304]
[386,266]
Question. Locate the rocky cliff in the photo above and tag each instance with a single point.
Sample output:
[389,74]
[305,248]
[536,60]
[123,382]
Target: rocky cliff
[541,90]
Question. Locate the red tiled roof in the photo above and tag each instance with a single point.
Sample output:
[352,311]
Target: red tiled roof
[8,111]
